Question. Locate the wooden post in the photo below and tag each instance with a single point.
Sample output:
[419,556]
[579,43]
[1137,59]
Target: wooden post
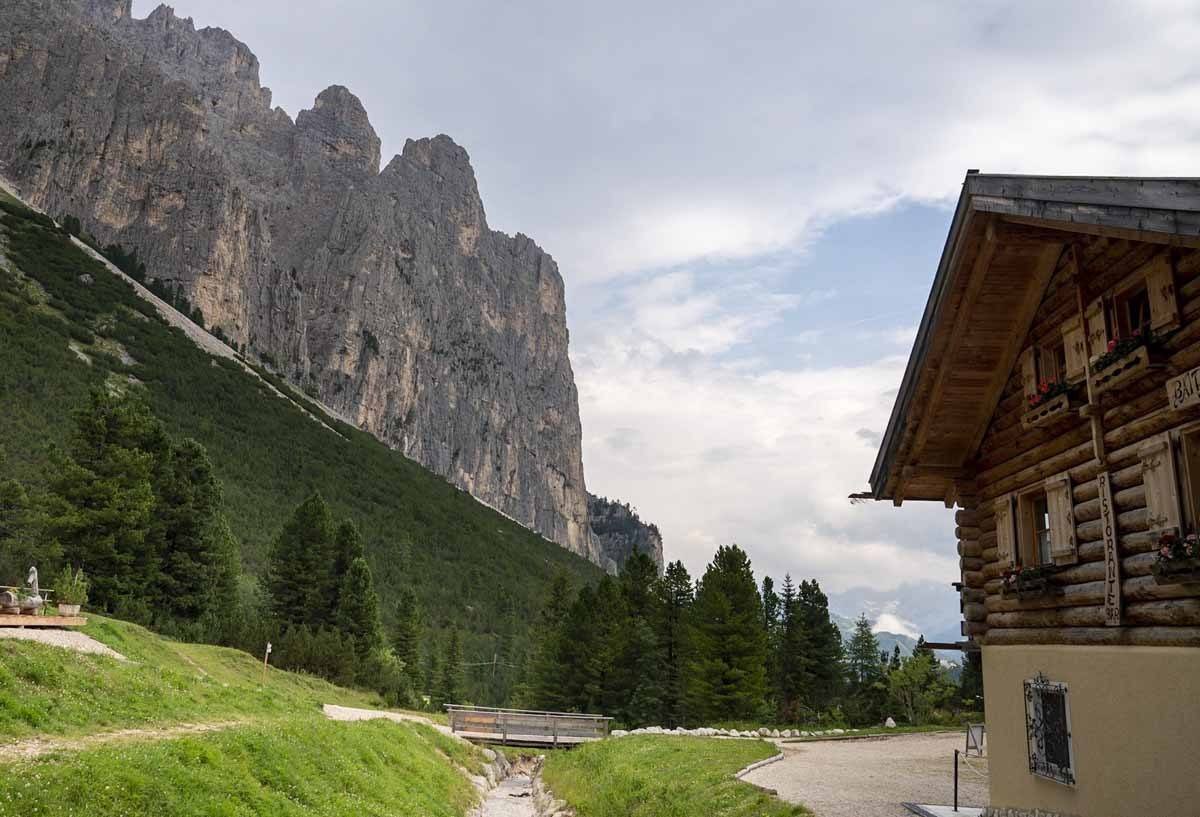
[266,655]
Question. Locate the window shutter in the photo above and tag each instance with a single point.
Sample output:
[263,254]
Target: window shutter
[1097,328]
[1158,476]
[1075,345]
[1160,287]
[1029,380]
[1062,520]
[1004,531]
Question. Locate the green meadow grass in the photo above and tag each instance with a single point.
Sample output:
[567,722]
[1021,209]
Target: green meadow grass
[652,776]
[301,769]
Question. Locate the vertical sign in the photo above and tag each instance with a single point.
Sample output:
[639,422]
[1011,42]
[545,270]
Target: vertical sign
[1112,559]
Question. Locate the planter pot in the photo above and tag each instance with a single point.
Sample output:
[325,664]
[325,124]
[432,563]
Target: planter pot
[10,611]
[1137,363]
[1048,412]
[68,609]
[1177,571]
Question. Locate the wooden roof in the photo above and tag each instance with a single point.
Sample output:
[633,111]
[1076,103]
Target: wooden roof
[1005,240]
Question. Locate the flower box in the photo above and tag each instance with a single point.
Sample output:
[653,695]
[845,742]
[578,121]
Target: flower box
[1125,362]
[1178,559]
[1047,412]
[1177,571]
[1030,582]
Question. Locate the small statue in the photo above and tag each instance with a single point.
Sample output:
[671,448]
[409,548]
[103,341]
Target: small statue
[32,601]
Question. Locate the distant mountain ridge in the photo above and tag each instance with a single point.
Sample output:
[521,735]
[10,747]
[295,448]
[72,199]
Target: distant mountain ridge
[887,641]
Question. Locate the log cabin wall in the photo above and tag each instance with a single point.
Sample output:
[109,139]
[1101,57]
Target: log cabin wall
[1105,435]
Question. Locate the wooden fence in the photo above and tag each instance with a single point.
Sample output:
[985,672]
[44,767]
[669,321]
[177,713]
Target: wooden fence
[523,727]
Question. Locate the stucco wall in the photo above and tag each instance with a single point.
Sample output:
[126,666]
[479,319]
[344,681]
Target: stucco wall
[1135,724]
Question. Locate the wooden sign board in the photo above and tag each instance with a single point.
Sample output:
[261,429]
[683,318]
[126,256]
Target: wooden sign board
[1184,391]
[1112,558]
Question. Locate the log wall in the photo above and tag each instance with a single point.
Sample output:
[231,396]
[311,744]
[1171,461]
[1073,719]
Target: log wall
[1104,436]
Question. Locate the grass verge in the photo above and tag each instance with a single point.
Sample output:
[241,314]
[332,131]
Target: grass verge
[314,769]
[648,776]
[48,690]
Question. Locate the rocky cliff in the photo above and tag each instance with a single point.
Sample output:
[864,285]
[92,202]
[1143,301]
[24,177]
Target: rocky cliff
[383,293]
[621,532]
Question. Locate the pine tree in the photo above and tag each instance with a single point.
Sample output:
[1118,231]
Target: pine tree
[101,501]
[358,609]
[727,670]
[822,646]
[197,551]
[675,594]
[450,679]
[406,637]
[862,654]
[793,678]
[432,677]
[298,576]
[543,685]
[635,685]
[22,542]
[347,546]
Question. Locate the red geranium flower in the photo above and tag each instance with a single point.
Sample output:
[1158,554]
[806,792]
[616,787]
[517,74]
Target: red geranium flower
[1112,344]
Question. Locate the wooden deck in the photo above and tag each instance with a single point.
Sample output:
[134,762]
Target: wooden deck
[523,727]
[42,621]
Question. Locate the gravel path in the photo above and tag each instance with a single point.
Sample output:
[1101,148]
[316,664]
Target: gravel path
[350,713]
[69,639]
[871,777]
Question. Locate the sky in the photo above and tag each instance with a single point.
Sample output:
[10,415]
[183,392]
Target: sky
[747,202]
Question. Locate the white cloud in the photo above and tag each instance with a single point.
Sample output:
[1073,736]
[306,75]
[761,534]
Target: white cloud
[892,623]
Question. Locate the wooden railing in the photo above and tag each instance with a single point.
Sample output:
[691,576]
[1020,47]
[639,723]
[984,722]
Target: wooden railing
[526,727]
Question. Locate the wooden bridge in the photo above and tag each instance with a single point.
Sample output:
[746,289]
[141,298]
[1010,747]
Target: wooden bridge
[524,727]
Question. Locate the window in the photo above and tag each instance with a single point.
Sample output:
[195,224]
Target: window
[1189,459]
[1052,363]
[1034,537]
[1036,526]
[1132,311]
[1048,730]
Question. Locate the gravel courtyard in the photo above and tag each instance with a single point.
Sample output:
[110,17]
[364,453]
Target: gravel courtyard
[871,777]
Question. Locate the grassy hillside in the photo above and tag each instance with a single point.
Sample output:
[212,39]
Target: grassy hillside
[648,776]
[51,691]
[60,336]
[275,755]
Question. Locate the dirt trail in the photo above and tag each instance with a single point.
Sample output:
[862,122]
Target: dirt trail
[67,639]
[36,747]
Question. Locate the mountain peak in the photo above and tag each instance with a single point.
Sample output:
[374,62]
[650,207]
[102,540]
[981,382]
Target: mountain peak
[338,129]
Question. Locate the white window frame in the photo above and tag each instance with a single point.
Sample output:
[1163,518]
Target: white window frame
[1039,766]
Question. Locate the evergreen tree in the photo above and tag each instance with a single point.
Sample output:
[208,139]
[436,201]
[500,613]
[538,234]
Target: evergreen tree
[894,663]
[727,670]
[450,679]
[590,651]
[822,646]
[101,501]
[197,552]
[635,686]
[432,677]
[675,595]
[347,546]
[868,683]
[358,609]
[299,573]
[862,655]
[22,543]
[543,687]
[793,677]
[406,637]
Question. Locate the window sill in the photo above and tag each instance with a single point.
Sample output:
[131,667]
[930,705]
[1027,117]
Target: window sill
[1177,571]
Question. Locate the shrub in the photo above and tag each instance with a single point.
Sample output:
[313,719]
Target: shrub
[71,586]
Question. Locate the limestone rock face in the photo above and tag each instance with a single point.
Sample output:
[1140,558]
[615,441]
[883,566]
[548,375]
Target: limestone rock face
[385,294]
[621,532]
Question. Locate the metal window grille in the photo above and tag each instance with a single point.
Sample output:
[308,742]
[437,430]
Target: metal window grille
[1048,730]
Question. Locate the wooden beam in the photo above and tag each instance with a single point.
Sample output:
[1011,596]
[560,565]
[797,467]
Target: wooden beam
[1046,264]
[962,322]
[1107,231]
